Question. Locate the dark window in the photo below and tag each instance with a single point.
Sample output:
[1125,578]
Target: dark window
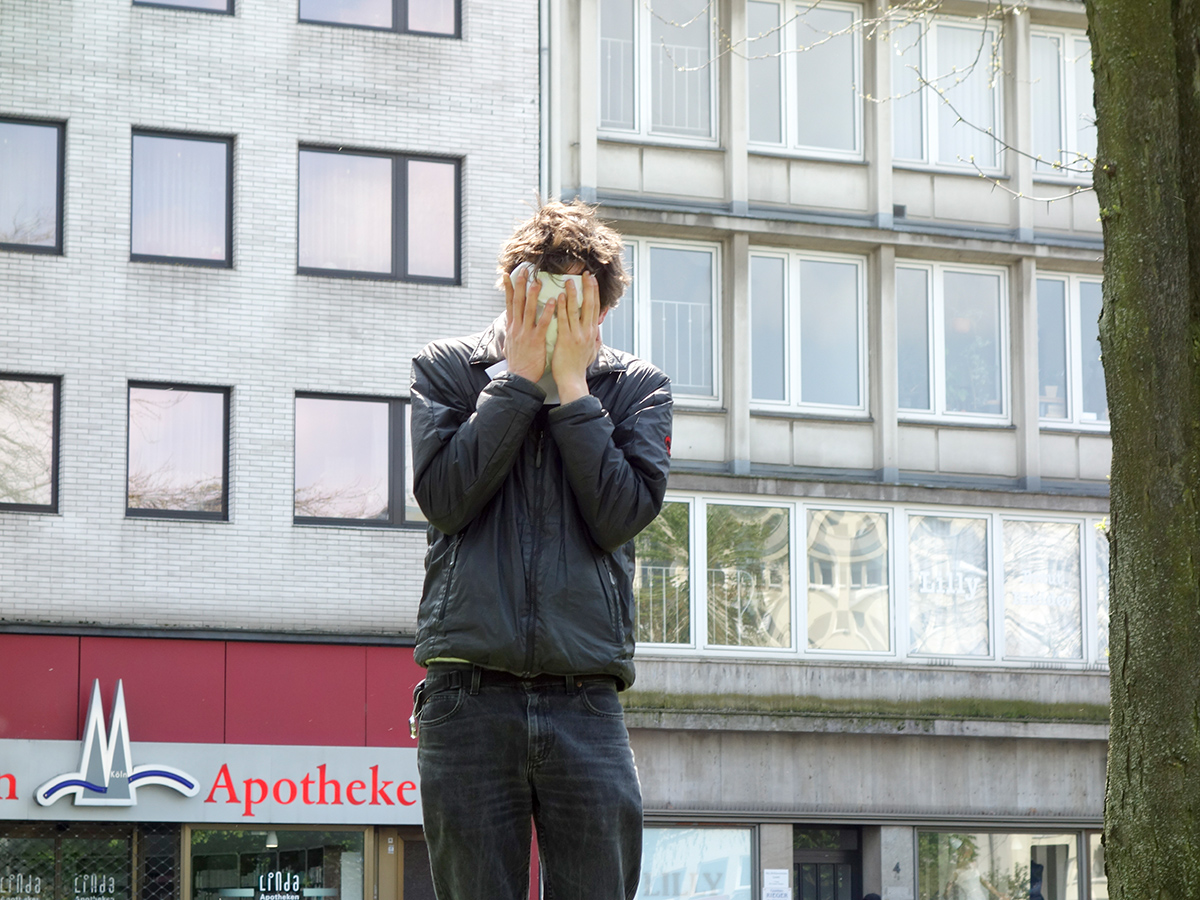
[29,443]
[178,451]
[378,215]
[217,6]
[31,176]
[440,17]
[352,464]
[182,208]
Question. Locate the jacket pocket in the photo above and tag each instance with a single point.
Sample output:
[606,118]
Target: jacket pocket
[609,585]
[447,581]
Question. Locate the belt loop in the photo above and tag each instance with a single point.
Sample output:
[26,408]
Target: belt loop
[476,674]
[569,683]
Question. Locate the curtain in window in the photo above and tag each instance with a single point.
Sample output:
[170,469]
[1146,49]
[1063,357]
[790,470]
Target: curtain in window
[345,212]
[180,197]
[28,184]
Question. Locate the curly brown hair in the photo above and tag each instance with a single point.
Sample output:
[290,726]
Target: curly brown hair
[558,236]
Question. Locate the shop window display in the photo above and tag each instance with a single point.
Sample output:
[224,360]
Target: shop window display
[277,864]
[997,866]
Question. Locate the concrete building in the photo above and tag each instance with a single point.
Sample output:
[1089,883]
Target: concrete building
[872,618]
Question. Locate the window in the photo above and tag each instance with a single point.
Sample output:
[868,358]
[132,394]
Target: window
[440,17]
[182,199]
[379,215]
[948,586]
[669,314]
[952,342]
[656,71]
[178,451]
[1064,122]
[946,77]
[827,862]
[29,443]
[1043,593]
[318,863]
[729,576]
[849,600]
[1071,389]
[217,6]
[695,861]
[998,865]
[808,333]
[804,67]
[352,463]
[31,186]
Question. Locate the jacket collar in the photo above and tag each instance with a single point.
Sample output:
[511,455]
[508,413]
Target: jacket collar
[489,349]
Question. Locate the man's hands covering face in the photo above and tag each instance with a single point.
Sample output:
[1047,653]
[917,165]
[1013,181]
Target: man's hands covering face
[578,338]
[525,334]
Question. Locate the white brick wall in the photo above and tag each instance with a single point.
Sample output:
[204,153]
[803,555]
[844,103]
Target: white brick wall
[98,320]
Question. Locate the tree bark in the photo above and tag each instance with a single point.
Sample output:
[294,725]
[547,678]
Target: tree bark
[1146,61]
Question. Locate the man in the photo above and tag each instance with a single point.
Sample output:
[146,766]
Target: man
[526,618]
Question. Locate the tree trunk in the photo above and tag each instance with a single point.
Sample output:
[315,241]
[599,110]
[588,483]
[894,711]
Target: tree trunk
[1146,59]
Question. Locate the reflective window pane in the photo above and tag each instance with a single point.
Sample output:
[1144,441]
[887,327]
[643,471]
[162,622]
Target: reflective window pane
[768,332]
[967,73]
[829,333]
[1043,606]
[370,13]
[432,16]
[995,865]
[1052,348]
[617,329]
[680,68]
[432,219]
[749,590]
[682,863]
[345,212]
[27,417]
[662,578]
[764,68]
[617,104]
[948,586]
[342,458]
[1102,587]
[681,314]
[1047,98]
[1096,873]
[827,89]
[912,338]
[972,341]
[848,597]
[29,167]
[327,864]
[180,198]
[412,512]
[1094,407]
[908,95]
[177,446]
[1085,113]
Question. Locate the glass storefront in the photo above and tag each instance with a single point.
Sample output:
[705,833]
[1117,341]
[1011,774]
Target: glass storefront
[65,862]
[679,863]
[992,866]
[277,864]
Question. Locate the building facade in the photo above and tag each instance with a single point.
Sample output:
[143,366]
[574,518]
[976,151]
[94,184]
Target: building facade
[872,617]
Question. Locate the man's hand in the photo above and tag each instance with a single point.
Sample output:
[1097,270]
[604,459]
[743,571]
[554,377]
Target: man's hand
[524,334]
[578,339]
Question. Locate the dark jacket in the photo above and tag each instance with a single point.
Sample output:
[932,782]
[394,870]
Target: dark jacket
[533,508]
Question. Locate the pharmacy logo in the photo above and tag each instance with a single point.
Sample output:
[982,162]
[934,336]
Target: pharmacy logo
[107,776]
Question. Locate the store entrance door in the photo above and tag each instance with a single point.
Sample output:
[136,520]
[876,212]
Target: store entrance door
[828,863]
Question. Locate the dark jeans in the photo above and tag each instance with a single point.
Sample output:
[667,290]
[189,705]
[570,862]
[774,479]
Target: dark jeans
[495,751]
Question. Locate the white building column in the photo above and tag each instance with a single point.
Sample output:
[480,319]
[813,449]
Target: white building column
[775,851]
[1019,127]
[736,119]
[737,354]
[587,48]
[877,115]
[1023,309]
[881,332]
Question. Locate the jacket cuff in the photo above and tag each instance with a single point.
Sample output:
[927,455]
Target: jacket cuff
[522,384]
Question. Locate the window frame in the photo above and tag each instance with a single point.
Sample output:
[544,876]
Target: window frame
[931,101]
[794,339]
[1073,319]
[899,548]
[399,22]
[935,332]
[643,94]
[790,16]
[639,250]
[399,466]
[59,186]
[1069,112]
[227,11]
[184,514]
[399,269]
[227,140]
[56,432]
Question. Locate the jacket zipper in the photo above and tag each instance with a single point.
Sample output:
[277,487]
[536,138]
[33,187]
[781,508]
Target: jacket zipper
[449,577]
[614,613]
